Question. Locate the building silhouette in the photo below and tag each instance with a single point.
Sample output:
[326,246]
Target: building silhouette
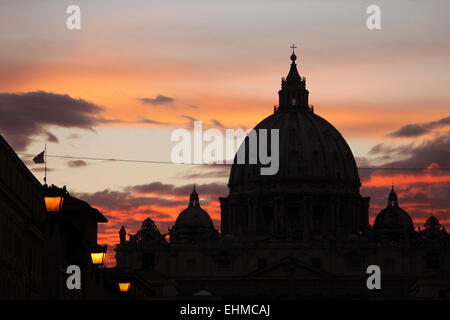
[21,228]
[70,236]
[37,247]
[303,232]
[300,233]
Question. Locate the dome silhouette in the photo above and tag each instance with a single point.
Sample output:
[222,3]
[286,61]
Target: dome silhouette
[193,223]
[315,191]
[312,155]
[392,222]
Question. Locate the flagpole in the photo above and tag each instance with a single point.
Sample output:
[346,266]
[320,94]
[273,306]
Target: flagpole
[45,164]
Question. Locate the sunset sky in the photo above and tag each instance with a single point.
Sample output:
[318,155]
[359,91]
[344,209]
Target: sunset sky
[137,70]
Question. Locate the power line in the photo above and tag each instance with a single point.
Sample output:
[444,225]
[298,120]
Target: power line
[126,160]
[217,164]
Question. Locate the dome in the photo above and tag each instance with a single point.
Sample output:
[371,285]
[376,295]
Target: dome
[314,192]
[392,222]
[194,216]
[193,223]
[312,155]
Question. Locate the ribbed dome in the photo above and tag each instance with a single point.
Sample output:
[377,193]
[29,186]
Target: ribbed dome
[193,223]
[194,215]
[315,190]
[393,219]
[312,153]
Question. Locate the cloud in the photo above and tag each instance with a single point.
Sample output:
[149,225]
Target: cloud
[25,115]
[208,189]
[77,163]
[51,137]
[158,100]
[125,200]
[73,136]
[160,201]
[220,171]
[152,197]
[108,121]
[217,123]
[422,191]
[419,129]
[188,117]
[151,121]
[421,155]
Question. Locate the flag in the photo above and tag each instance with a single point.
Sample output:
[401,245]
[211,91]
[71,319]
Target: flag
[39,158]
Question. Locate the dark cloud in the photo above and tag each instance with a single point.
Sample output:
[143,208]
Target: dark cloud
[158,100]
[383,148]
[419,199]
[436,150]
[202,189]
[220,171]
[217,123]
[409,130]
[188,117]
[419,129]
[151,121]
[157,187]
[193,106]
[51,137]
[132,197]
[25,115]
[125,200]
[131,204]
[77,163]
[109,121]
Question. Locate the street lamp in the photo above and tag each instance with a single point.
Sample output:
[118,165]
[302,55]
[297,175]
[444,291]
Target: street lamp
[98,254]
[53,197]
[124,286]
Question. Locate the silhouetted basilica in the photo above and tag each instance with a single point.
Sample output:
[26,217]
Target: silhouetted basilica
[303,232]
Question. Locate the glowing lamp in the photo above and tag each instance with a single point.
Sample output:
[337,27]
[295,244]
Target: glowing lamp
[54,197]
[53,203]
[124,286]
[98,255]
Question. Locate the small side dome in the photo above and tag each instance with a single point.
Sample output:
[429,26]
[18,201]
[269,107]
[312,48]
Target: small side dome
[393,223]
[193,224]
